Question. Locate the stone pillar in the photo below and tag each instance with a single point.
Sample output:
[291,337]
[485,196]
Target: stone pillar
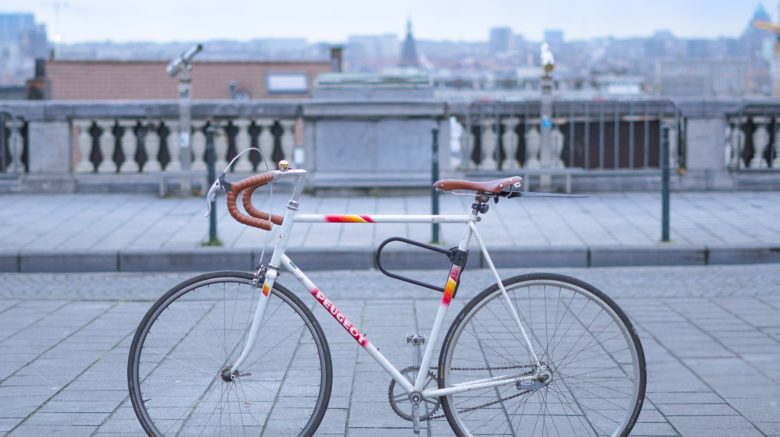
[49,147]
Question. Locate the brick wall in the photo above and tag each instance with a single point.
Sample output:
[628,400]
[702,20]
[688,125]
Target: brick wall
[144,80]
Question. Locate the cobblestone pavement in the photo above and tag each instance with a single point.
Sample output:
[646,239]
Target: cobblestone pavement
[711,336]
[112,222]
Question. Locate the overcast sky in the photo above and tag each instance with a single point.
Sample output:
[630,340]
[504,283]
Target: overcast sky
[333,20]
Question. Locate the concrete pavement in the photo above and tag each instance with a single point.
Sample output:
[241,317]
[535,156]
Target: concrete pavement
[133,232]
[711,335]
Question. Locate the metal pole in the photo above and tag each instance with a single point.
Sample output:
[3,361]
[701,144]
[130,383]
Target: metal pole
[185,126]
[664,182]
[434,178]
[210,162]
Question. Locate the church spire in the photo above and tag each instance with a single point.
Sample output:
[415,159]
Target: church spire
[409,50]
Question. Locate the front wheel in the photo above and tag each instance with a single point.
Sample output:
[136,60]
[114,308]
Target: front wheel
[591,377]
[179,366]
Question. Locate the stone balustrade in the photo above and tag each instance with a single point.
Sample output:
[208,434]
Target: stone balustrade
[714,144]
[752,138]
[130,146]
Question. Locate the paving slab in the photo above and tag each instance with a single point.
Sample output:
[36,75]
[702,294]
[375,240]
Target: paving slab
[73,330]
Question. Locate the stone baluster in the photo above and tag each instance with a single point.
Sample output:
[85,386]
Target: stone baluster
[107,164]
[84,142]
[776,161]
[266,143]
[737,141]
[466,145]
[152,147]
[533,142]
[220,147]
[173,146]
[288,138]
[760,142]
[556,142]
[510,143]
[198,146]
[243,141]
[728,153]
[489,137]
[128,143]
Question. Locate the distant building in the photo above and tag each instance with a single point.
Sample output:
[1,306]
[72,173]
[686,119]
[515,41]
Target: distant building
[703,77]
[501,40]
[554,38]
[147,80]
[21,42]
[409,56]
[373,46]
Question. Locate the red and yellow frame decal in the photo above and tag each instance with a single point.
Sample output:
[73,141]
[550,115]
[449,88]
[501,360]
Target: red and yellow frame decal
[348,218]
[266,289]
[340,317]
[452,284]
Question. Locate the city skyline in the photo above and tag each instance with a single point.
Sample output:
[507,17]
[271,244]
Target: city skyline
[94,20]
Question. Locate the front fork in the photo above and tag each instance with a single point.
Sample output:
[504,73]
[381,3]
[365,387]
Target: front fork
[268,284]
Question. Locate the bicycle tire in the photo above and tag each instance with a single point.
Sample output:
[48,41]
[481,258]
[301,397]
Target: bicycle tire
[504,402]
[302,379]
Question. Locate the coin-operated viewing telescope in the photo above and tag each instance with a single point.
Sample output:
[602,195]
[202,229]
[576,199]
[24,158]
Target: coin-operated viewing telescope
[183,61]
[183,65]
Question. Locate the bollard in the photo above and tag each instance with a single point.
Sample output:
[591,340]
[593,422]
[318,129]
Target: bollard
[434,178]
[665,183]
[211,158]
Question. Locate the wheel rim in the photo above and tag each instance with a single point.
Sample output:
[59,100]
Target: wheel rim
[596,388]
[179,364]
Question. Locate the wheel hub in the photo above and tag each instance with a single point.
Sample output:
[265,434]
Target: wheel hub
[230,377]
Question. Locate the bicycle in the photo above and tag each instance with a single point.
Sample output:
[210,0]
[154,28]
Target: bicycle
[238,353]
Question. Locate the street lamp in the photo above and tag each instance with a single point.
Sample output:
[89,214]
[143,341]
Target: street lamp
[183,65]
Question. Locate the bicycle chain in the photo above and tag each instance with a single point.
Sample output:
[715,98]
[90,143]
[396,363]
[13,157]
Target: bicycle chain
[462,369]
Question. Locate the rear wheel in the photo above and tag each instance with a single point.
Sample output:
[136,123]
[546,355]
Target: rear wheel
[592,375]
[178,368]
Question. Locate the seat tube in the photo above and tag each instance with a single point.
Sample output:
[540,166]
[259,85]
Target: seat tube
[453,279]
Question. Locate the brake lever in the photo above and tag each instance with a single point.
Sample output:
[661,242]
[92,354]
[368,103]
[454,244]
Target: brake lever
[212,194]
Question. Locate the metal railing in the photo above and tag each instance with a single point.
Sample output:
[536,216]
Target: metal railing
[752,137]
[13,143]
[589,135]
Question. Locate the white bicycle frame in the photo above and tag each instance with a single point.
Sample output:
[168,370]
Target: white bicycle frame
[280,259]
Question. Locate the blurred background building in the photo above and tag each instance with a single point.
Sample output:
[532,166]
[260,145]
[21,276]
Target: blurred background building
[504,65]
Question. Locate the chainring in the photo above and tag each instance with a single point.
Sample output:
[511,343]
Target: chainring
[400,402]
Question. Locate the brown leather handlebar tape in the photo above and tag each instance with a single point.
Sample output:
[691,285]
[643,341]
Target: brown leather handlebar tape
[241,218]
[250,182]
[246,199]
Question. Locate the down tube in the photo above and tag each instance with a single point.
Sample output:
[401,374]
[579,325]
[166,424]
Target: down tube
[344,321]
